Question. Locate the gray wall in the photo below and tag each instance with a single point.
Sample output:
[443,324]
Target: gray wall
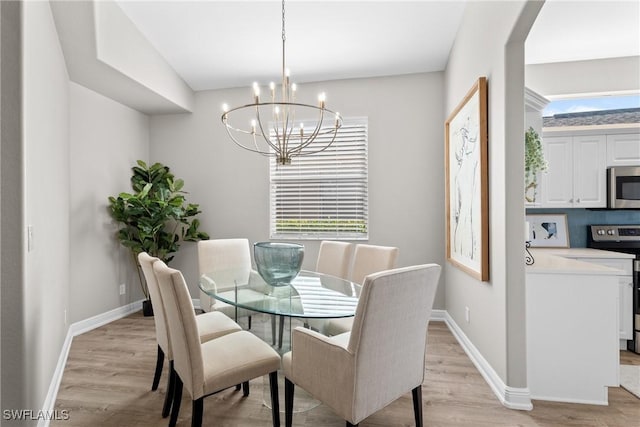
[78,149]
[106,139]
[46,190]
[405,166]
[496,326]
[594,77]
[12,390]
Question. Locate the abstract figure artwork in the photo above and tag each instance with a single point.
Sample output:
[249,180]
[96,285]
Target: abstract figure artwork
[467,183]
[548,230]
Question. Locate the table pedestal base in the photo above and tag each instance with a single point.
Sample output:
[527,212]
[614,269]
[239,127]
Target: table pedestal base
[302,401]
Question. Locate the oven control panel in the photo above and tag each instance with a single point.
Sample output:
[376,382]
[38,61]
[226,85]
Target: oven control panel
[615,233]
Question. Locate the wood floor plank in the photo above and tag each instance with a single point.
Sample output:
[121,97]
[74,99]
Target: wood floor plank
[107,382]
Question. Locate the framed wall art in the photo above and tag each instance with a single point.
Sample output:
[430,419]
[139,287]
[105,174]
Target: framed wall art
[548,230]
[467,192]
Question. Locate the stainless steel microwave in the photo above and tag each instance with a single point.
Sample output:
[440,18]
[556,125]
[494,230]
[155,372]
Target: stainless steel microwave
[623,187]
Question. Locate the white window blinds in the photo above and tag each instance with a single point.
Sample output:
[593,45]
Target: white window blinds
[323,195]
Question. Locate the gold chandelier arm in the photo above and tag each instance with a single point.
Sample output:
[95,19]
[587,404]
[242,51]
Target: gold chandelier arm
[244,147]
[262,132]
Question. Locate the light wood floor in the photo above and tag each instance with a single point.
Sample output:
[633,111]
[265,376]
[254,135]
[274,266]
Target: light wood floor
[107,382]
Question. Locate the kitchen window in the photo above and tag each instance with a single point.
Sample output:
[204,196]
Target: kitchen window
[323,195]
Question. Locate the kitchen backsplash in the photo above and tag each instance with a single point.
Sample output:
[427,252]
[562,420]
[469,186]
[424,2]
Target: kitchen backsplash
[578,219]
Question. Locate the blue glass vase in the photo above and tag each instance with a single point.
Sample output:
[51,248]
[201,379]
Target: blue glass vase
[278,263]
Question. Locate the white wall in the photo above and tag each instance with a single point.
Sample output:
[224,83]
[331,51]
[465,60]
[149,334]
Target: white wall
[106,139]
[46,148]
[406,172]
[594,77]
[494,305]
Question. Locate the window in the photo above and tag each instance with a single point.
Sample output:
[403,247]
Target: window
[323,195]
[596,103]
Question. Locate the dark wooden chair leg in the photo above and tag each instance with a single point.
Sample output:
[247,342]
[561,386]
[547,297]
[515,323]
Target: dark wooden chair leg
[273,330]
[417,405]
[245,388]
[158,373]
[196,414]
[289,389]
[280,331]
[177,398]
[171,385]
[238,387]
[275,400]
[351,425]
[249,323]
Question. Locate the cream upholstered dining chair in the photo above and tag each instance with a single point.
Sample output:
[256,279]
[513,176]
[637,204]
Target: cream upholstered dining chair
[223,254]
[208,368]
[210,326]
[334,259]
[362,371]
[367,259]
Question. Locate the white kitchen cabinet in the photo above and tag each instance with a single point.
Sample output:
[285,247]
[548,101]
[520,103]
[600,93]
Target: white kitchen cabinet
[623,149]
[571,305]
[575,177]
[625,294]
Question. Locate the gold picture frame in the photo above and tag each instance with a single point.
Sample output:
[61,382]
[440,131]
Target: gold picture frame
[467,183]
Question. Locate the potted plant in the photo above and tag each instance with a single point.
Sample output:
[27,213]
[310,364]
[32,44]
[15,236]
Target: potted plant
[155,217]
[534,163]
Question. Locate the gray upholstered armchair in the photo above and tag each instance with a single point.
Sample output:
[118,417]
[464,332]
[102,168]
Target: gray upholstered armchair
[360,372]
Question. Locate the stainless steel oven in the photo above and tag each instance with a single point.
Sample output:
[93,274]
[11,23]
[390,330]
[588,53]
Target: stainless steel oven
[622,238]
[623,187]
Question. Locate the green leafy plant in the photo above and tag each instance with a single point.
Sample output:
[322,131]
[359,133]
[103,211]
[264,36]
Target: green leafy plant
[534,162]
[155,217]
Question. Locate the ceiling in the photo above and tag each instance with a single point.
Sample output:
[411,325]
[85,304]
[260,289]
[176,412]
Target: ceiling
[219,44]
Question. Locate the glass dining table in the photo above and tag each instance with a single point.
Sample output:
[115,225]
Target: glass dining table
[310,295]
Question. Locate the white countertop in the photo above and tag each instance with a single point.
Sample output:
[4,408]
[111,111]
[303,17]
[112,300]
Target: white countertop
[584,253]
[559,261]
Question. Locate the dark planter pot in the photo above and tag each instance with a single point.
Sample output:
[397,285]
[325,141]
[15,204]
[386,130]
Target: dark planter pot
[147,308]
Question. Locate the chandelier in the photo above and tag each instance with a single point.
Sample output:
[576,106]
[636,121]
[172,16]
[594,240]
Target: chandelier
[281,136]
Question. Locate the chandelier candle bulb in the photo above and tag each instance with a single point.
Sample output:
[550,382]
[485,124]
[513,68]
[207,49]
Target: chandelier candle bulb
[322,97]
[256,92]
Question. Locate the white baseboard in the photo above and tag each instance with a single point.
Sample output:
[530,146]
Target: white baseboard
[510,397]
[438,315]
[76,329]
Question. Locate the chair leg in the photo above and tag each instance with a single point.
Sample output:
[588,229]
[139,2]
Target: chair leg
[238,387]
[249,323]
[351,425]
[273,330]
[417,405]
[245,388]
[171,385]
[158,373]
[280,331]
[177,399]
[275,403]
[289,389]
[196,413]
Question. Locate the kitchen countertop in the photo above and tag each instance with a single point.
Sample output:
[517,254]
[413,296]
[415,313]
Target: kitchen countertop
[584,253]
[559,261]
